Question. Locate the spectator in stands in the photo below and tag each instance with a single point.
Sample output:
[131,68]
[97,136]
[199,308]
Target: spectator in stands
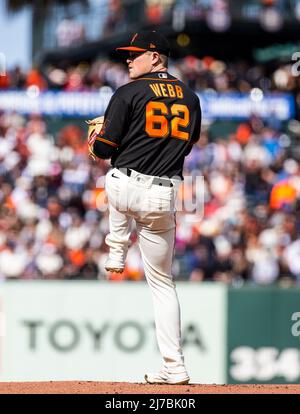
[70,31]
[116,20]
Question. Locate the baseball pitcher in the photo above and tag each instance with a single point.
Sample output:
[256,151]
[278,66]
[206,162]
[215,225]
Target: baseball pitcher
[150,125]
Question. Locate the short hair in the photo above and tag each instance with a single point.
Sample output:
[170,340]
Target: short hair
[164,60]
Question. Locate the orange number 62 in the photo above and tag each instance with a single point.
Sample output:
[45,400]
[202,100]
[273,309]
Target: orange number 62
[181,118]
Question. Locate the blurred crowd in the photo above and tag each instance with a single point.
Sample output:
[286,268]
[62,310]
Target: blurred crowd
[204,73]
[250,226]
[53,219]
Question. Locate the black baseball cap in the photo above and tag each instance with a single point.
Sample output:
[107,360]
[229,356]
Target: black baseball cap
[148,40]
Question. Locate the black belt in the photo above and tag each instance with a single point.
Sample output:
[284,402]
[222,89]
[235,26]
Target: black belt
[164,182]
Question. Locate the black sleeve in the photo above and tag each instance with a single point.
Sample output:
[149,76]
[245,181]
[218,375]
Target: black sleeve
[115,123]
[103,150]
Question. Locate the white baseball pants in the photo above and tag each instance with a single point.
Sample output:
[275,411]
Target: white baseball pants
[152,207]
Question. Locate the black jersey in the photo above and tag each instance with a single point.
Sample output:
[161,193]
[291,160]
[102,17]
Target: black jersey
[152,122]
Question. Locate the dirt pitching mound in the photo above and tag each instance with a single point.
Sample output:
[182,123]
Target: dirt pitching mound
[92,387]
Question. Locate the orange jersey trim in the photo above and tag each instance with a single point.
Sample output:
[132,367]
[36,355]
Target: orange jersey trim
[107,142]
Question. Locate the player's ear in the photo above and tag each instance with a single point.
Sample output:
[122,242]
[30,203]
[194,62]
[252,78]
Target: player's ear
[155,58]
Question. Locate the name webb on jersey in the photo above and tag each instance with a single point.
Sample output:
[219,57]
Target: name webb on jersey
[152,123]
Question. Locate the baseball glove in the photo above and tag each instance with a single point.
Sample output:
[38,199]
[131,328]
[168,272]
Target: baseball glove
[95,126]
